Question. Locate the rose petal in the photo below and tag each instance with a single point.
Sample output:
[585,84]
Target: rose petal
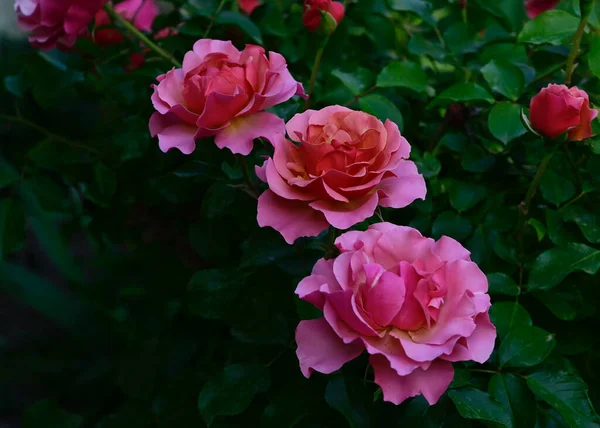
[241,132]
[320,349]
[292,219]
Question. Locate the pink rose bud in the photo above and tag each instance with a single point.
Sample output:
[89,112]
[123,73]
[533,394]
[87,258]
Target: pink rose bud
[535,7]
[558,109]
[414,304]
[344,165]
[314,9]
[54,22]
[248,6]
[141,13]
[221,92]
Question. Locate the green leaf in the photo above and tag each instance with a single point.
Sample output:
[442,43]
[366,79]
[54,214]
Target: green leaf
[212,292]
[513,394]
[428,165]
[357,81]
[588,222]
[455,141]
[403,75]
[451,224]
[423,8]
[347,395]
[567,393]
[463,195]
[500,283]
[418,412]
[12,226]
[230,392]
[505,123]
[382,108]
[462,93]
[562,304]
[476,159]
[506,315]
[525,346]
[539,227]
[242,21]
[504,78]
[554,27]
[594,56]
[218,199]
[555,188]
[48,414]
[475,404]
[553,266]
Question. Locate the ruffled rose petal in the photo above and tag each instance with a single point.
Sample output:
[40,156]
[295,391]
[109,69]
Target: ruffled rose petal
[344,215]
[432,383]
[292,219]
[320,349]
[241,132]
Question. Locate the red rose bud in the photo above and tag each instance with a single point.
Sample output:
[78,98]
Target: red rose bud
[248,6]
[535,7]
[314,10]
[558,109]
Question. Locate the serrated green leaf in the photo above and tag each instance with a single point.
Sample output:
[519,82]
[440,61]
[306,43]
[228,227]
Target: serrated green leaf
[381,108]
[513,394]
[502,284]
[475,404]
[504,78]
[554,27]
[553,266]
[525,346]
[462,93]
[403,75]
[505,123]
[357,81]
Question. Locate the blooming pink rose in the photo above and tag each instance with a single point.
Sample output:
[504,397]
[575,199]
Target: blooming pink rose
[346,164]
[313,10]
[52,22]
[535,7]
[221,91]
[248,6]
[414,304]
[557,109]
[141,13]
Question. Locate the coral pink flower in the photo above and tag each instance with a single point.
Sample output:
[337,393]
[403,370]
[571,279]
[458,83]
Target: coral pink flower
[53,22]
[535,7]
[414,304]
[221,92]
[346,164]
[557,109]
[248,6]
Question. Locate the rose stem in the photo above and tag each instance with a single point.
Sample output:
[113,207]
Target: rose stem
[575,48]
[214,17]
[137,33]
[315,70]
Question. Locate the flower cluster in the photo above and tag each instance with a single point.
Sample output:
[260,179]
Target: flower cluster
[415,305]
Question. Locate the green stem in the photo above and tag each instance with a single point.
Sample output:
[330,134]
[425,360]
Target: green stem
[141,36]
[536,180]
[48,134]
[315,71]
[575,50]
[214,17]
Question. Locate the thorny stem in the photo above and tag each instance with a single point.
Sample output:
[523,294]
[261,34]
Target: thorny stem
[214,17]
[141,36]
[44,131]
[575,50]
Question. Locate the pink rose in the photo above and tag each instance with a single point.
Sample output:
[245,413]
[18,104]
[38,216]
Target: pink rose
[141,13]
[221,91]
[248,6]
[52,22]
[414,304]
[346,164]
[557,109]
[535,7]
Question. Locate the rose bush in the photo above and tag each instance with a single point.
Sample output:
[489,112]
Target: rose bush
[414,304]
[222,92]
[432,201]
[340,167]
